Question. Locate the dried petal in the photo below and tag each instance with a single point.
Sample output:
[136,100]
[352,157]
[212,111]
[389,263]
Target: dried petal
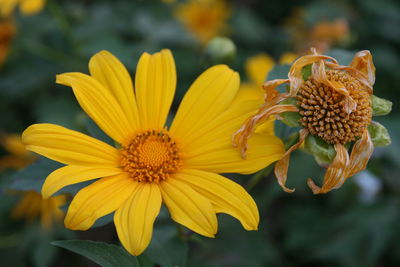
[360,154]
[281,167]
[335,175]
[295,75]
[362,62]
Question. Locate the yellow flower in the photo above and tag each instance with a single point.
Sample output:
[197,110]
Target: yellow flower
[152,164]
[18,156]
[7,32]
[205,19]
[27,7]
[333,104]
[32,206]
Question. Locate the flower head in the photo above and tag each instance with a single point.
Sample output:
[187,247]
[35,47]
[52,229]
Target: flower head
[152,163]
[205,19]
[333,104]
[27,7]
[32,206]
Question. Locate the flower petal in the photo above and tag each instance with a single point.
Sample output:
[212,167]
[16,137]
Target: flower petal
[258,67]
[210,95]
[360,154]
[295,75]
[281,167]
[155,88]
[98,199]
[99,103]
[74,174]
[362,62]
[335,175]
[225,195]
[112,74]
[210,148]
[134,220]
[68,146]
[189,208]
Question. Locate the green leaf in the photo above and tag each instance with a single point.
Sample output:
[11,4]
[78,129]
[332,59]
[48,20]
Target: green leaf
[380,106]
[106,255]
[379,134]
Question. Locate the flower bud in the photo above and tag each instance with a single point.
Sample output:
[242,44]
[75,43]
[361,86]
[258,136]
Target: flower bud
[379,134]
[220,50]
[380,106]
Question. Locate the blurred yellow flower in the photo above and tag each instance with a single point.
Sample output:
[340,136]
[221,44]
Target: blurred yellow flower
[7,32]
[205,19]
[27,7]
[152,164]
[18,156]
[32,205]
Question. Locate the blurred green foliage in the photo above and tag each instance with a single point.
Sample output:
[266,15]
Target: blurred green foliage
[353,226]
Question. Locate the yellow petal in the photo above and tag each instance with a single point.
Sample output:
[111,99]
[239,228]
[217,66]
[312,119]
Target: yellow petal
[135,218]
[282,166]
[68,146]
[258,67]
[29,7]
[98,199]
[155,88]
[287,58]
[210,148]
[335,175]
[189,208]
[249,91]
[99,104]
[210,95]
[360,154]
[74,174]
[226,196]
[112,74]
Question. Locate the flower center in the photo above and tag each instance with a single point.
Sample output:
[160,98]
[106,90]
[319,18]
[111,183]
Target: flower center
[322,109]
[151,156]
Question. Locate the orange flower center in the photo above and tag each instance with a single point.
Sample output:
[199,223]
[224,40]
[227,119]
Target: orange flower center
[322,109]
[151,156]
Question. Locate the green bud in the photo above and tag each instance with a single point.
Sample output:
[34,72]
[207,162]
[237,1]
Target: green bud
[323,152]
[291,119]
[220,50]
[379,134]
[380,106]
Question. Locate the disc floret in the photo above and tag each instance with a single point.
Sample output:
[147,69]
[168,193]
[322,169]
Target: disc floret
[151,156]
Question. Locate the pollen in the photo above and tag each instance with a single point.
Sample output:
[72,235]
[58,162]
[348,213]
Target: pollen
[322,108]
[151,156]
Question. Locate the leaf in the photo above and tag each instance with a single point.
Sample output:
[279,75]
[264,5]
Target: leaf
[106,255]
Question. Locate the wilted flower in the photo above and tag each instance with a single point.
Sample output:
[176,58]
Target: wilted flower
[32,206]
[151,164]
[27,7]
[7,32]
[205,19]
[334,105]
